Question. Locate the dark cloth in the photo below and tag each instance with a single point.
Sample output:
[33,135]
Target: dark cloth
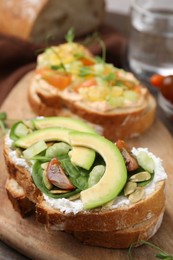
[19,56]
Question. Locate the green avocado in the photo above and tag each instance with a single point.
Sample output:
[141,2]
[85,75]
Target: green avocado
[115,176]
[65,122]
[46,134]
[82,157]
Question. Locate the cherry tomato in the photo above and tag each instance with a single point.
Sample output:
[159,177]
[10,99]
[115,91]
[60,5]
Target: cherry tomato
[156,80]
[87,61]
[57,177]
[167,88]
[55,78]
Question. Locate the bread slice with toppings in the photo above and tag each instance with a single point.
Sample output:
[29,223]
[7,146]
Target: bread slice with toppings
[114,211]
[69,81]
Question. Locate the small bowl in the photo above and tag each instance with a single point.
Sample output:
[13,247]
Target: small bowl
[166,105]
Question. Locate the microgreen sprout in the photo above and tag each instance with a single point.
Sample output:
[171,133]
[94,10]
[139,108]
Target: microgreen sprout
[84,71]
[95,37]
[70,35]
[61,65]
[3,126]
[161,255]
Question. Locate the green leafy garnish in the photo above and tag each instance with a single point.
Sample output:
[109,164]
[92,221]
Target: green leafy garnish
[57,67]
[37,175]
[70,35]
[78,55]
[161,255]
[95,37]
[61,65]
[3,125]
[84,71]
[110,77]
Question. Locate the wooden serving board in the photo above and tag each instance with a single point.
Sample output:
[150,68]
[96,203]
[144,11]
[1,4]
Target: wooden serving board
[34,241]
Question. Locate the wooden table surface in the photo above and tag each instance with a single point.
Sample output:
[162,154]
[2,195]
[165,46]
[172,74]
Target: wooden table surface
[116,20]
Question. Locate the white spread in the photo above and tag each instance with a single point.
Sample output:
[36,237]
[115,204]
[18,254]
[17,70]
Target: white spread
[67,206]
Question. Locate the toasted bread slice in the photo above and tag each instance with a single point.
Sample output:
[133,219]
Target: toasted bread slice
[119,123]
[114,219]
[69,80]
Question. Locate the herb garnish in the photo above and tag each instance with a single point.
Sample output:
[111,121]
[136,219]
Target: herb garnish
[3,125]
[84,71]
[70,35]
[61,65]
[161,255]
[110,77]
[95,37]
[79,55]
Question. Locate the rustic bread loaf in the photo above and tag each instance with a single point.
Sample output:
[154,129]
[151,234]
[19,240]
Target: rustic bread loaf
[41,21]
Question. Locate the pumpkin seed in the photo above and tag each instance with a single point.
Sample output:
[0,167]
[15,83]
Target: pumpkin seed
[46,182]
[44,165]
[74,197]
[129,188]
[141,176]
[58,191]
[137,195]
[108,204]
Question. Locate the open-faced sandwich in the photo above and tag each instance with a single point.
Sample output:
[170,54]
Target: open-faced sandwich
[70,81]
[80,182]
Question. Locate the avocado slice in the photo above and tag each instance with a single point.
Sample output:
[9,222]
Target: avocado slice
[86,159]
[82,157]
[115,175]
[46,134]
[65,122]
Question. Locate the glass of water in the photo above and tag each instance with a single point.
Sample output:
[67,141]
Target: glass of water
[151,38]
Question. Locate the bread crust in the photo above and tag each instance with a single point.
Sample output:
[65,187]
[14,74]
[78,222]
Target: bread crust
[22,176]
[123,123]
[18,198]
[113,219]
[121,238]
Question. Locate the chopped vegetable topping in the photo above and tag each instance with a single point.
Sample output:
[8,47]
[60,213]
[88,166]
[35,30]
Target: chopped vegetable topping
[71,67]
